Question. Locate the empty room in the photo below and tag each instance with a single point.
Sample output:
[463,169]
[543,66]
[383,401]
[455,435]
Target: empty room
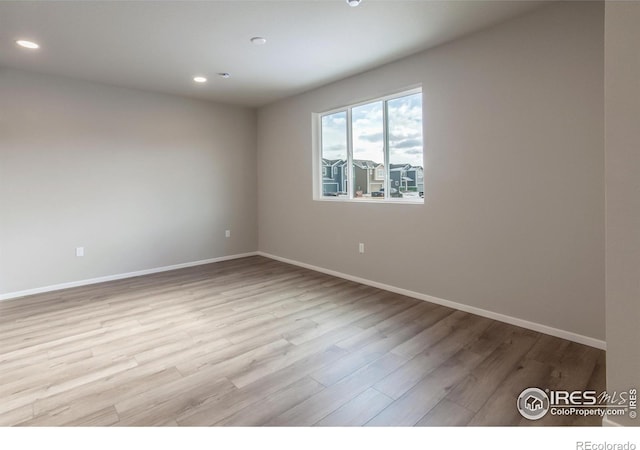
[319,213]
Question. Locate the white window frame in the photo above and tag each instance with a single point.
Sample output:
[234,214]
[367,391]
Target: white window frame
[317,145]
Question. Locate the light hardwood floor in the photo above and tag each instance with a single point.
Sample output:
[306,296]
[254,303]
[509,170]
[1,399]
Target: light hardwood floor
[258,342]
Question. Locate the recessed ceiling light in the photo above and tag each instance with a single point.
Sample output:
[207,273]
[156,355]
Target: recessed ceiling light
[353,3]
[224,75]
[27,44]
[258,40]
[200,79]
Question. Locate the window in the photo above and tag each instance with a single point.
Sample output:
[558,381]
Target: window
[375,149]
[334,153]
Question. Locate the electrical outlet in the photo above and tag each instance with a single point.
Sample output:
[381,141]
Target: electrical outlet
[227,233]
[361,247]
[79,251]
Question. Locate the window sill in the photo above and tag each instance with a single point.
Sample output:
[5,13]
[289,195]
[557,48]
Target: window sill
[369,201]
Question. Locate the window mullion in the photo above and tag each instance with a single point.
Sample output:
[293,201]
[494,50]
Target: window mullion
[349,167]
[320,184]
[385,147]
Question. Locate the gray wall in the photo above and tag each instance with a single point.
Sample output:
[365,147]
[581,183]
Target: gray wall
[141,180]
[622,147]
[513,220]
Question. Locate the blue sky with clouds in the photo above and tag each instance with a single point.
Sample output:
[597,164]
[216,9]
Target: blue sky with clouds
[405,132]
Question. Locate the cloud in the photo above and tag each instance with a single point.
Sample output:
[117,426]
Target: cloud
[373,137]
[405,131]
[366,114]
[399,135]
[409,143]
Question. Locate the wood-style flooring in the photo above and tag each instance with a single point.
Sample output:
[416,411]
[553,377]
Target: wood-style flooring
[257,342]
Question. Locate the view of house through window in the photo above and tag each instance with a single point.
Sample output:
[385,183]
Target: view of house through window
[334,153]
[374,150]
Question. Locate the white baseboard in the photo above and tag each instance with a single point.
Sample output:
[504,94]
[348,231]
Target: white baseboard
[586,340]
[57,287]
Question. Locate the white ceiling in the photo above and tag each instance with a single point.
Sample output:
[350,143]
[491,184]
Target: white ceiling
[161,45]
